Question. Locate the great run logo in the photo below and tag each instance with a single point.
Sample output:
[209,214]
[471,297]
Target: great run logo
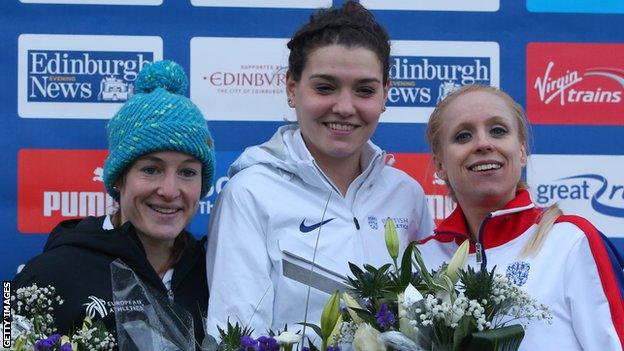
[66,76]
[565,85]
[589,185]
[605,198]
[83,76]
[425,81]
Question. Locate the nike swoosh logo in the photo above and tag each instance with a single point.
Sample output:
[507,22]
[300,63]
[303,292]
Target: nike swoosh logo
[306,229]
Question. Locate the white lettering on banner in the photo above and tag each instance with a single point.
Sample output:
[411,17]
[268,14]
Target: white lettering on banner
[410,95]
[440,206]
[77,203]
[466,74]
[53,89]
[63,65]
[550,88]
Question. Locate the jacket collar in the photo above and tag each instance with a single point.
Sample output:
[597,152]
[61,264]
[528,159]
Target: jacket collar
[499,227]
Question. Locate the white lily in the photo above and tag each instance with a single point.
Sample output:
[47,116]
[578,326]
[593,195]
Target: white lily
[458,261]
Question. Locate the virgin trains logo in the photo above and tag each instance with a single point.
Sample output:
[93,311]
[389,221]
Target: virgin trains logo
[569,83]
[562,89]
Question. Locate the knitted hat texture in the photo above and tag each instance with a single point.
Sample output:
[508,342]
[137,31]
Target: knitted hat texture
[158,118]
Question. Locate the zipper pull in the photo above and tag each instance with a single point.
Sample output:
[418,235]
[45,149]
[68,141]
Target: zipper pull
[479,252]
[170,295]
[357,224]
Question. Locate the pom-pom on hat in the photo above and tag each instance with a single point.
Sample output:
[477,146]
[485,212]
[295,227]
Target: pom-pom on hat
[158,118]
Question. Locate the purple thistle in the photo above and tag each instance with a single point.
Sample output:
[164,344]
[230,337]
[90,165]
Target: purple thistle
[66,347]
[305,348]
[385,318]
[333,348]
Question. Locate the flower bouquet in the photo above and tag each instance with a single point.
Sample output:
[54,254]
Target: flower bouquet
[408,307]
[32,327]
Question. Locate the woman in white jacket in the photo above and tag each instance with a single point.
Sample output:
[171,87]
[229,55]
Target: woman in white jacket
[478,137]
[315,197]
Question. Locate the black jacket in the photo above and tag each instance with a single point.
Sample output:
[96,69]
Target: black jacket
[76,261]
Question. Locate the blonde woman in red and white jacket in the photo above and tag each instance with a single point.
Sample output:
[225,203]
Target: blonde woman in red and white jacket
[478,137]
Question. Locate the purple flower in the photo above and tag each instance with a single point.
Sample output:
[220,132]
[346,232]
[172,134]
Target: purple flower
[305,348]
[247,342]
[267,344]
[385,318]
[66,347]
[333,348]
[47,343]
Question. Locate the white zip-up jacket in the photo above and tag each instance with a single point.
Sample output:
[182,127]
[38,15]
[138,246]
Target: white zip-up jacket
[577,273]
[276,208]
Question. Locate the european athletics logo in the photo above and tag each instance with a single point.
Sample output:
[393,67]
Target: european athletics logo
[79,76]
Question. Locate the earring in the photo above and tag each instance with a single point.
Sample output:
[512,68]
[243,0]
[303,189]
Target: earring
[383,108]
[115,188]
[290,103]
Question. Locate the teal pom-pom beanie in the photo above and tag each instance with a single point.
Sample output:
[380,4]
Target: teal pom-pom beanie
[158,118]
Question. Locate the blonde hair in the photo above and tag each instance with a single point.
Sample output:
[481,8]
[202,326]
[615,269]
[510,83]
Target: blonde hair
[434,127]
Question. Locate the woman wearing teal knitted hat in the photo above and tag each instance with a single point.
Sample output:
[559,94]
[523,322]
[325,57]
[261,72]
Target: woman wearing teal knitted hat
[160,164]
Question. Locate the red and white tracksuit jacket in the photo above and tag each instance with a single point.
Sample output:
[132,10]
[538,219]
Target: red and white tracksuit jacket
[577,273]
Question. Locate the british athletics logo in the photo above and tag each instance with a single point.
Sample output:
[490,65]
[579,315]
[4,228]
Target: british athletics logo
[64,76]
[424,72]
[575,83]
[55,185]
[420,167]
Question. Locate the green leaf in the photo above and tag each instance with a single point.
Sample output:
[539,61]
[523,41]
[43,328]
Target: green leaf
[500,339]
[314,327]
[406,265]
[465,327]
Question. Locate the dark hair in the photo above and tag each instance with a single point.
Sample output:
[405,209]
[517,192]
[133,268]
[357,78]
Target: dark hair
[351,25]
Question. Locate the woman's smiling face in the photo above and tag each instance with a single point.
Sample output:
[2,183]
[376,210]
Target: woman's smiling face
[338,100]
[481,154]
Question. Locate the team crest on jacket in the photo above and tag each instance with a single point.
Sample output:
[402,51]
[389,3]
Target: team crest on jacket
[372,222]
[518,272]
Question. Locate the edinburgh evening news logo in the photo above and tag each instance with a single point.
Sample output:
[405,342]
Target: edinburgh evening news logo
[425,81]
[96,2]
[424,72]
[63,76]
[312,4]
[575,83]
[590,185]
[79,76]
[433,5]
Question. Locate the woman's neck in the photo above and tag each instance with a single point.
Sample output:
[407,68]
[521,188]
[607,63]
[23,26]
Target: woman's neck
[341,172]
[158,253]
